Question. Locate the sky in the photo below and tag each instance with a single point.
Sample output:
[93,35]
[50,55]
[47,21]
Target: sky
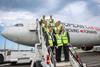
[69,11]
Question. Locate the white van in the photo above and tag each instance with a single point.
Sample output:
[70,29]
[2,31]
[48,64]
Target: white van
[16,56]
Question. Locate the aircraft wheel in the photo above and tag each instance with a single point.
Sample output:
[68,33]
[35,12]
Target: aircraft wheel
[13,63]
[37,64]
[1,59]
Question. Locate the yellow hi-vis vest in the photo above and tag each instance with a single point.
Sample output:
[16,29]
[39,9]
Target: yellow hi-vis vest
[64,38]
[51,22]
[43,24]
[50,40]
[58,39]
[46,29]
[42,19]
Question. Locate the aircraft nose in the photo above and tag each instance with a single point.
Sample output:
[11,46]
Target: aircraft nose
[1,29]
[4,33]
[9,33]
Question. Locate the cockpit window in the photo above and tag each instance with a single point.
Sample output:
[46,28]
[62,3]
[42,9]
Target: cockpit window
[19,25]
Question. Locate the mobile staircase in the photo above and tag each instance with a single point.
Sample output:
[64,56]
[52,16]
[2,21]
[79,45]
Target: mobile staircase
[44,56]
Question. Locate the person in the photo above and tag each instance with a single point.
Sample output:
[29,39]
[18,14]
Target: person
[58,41]
[42,20]
[50,38]
[58,27]
[65,41]
[45,27]
[59,47]
[51,22]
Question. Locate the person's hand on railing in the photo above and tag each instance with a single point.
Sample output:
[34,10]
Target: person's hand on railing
[48,47]
[56,46]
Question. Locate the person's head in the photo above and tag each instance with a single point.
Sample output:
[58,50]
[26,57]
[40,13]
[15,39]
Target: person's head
[43,16]
[50,29]
[45,23]
[37,19]
[50,16]
[57,23]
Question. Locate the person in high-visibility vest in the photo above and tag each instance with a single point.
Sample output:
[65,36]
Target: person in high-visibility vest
[59,43]
[45,26]
[59,47]
[51,22]
[65,41]
[58,27]
[50,38]
[42,20]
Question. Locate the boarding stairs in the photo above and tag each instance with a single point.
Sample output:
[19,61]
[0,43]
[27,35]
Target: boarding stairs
[43,50]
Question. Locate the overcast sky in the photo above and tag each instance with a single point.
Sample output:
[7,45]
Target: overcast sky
[69,11]
[72,11]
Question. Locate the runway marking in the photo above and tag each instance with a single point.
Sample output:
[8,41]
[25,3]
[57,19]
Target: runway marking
[5,64]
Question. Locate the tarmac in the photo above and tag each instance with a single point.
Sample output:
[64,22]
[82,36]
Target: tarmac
[90,58]
[62,64]
[16,65]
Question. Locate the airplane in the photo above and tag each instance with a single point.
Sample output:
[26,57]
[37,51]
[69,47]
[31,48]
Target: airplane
[80,35]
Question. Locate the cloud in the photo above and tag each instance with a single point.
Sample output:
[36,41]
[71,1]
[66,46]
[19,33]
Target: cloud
[20,4]
[15,12]
[78,13]
[70,12]
[40,6]
[94,21]
[97,1]
[30,5]
[75,12]
[12,17]
[52,4]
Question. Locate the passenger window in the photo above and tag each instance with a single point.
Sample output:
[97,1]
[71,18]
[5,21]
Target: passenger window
[18,25]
